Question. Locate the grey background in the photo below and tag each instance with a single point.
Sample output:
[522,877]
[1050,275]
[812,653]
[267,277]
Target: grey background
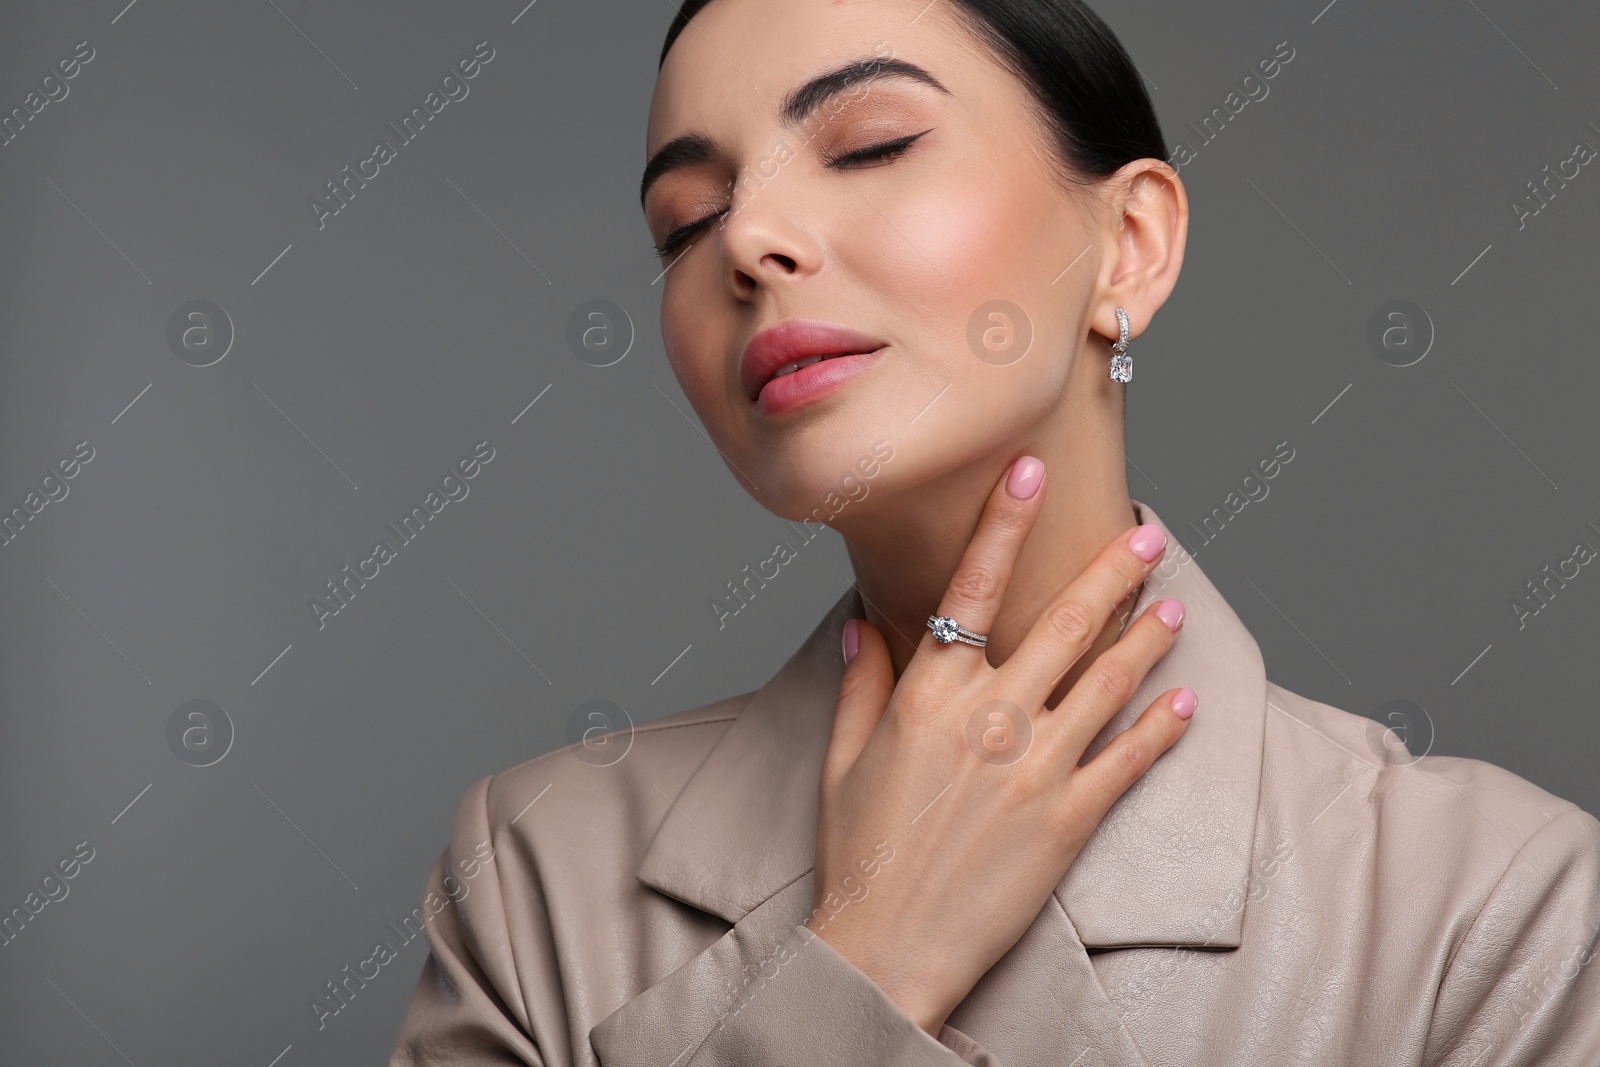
[370,355]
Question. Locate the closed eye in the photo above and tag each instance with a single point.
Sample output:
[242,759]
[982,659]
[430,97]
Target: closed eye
[886,150]
[870,154]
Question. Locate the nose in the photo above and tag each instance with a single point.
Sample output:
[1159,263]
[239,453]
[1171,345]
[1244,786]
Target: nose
[767,235]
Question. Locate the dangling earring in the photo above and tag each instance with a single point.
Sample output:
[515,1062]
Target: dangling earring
[1121,362]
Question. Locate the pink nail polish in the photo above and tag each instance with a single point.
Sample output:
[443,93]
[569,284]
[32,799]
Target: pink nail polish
[1148,541]
[1184,702]
[1026,474]
[1170,611]
[852,640]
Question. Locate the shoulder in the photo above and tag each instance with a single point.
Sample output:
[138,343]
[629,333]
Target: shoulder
[612,787]
[1329,741]
[558,835]
[1468,884]
[1466,824]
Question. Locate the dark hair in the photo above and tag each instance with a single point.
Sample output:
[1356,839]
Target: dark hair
[1091,96]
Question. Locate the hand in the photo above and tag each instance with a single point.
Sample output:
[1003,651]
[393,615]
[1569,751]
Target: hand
[964,817]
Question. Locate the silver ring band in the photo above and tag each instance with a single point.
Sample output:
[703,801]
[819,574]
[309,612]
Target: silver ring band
[945,630]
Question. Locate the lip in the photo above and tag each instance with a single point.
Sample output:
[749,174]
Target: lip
[799,339]
[811,383]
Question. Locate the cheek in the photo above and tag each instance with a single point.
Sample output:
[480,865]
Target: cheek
[975,280]
[678,341]
[958,243]
[952,260]
[691,345]
[697,344]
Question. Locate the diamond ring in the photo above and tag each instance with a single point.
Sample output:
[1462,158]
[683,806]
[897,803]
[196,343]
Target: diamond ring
[945,630]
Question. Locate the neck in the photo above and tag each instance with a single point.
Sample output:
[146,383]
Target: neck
[905,552]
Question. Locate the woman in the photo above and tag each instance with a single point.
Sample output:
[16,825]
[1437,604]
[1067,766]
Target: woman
[994,810]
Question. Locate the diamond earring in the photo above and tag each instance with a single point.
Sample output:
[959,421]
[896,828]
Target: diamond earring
[1121,362]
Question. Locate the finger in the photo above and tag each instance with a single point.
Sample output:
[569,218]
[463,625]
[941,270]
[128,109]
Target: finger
[978,585]
[1099,783]
[1072,621]
[864,693]
[1107,684]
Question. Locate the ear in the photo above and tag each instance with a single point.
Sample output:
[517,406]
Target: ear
[1148,223]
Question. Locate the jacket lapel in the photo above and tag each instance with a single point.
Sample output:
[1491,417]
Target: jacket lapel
[1168,865]
[745,824]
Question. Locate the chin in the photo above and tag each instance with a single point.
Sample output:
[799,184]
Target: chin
[819,473]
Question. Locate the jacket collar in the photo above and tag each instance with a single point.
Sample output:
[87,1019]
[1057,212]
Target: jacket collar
[1168,865]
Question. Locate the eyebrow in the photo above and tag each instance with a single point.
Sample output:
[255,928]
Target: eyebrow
[797,107]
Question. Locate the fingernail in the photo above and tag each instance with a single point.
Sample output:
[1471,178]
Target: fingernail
[852,640]
[1148,541]
[1170,611]
[1184,702]
[1026,474]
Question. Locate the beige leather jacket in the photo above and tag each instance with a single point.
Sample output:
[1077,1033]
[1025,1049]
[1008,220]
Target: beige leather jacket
[1284,886]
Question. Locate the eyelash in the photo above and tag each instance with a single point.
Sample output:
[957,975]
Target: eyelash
[870,154]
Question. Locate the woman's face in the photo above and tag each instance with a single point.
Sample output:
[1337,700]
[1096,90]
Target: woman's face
[964,255]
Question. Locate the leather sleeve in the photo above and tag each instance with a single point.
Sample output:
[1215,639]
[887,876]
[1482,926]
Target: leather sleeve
[1523,987]
[467,1007]
[808,1005]
[965,1047]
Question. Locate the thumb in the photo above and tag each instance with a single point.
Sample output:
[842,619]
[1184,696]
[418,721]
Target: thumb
[864,693]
